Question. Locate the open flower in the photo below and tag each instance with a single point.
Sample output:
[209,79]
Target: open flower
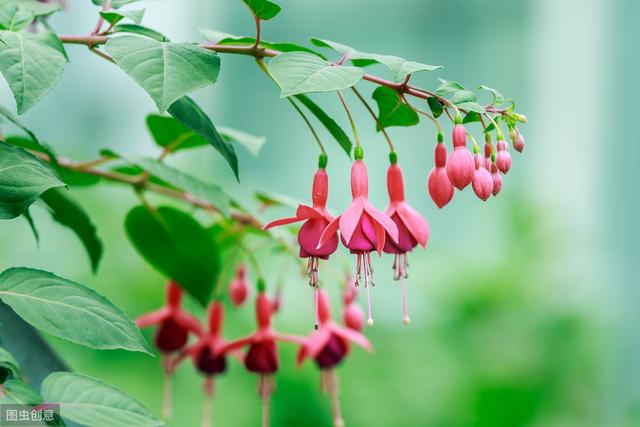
[174,326]
[315,219]
[440,188]
[412,228]
[328,346]
[363,228]
[262,355]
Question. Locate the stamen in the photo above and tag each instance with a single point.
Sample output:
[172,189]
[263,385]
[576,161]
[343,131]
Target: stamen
[368,284]
[168,379]
[405,312]
[266,387]
[312,271]
[208,400]
[358,269]
[332,383]
[317,298]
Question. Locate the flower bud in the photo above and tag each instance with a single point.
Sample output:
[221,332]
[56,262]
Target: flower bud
[518,144]
[239,290]
[503,158]
[497,179]
[353,317]
[440,188]
[460,165]
[482,181]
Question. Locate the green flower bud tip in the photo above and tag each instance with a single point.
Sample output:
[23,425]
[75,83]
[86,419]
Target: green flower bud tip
[458,119]
[323,159]
[493,156]
[358,153]
[393,157]
[440,138]
[476,148]
[487,137]
[261,285]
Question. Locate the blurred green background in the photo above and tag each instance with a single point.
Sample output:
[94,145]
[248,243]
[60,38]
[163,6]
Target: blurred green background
[524,309]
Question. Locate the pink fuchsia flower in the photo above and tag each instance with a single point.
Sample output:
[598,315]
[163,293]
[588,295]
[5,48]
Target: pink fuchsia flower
[503,158]
[239,290]
[460,165]
[363,228]
[174,327]
[412,228]
[440,188]
[262,355]
[315,219]
[482,181]
[328,346]
[497,179]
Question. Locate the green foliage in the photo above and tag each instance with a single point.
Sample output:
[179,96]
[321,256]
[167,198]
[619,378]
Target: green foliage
[34,7]
[435,106]
[166,71]
[252,143]
[14,18]
[392,111]
[16,392]
[93,403]
[176,245]
[193,117]
[498,99]
[32,64]
[334,128]
[301,72]
[64,308]
[68,213]
[23,178]
[9,368]
[263,9]
[141,31]
[113,17]
[222,39]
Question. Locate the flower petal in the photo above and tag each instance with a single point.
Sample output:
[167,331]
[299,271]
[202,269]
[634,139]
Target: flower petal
[329,232]
[153,318]
[306,212]
[317,341]
[353,336]
[188,322]
[282,221]
[350,218]
[384,220]
[417,225]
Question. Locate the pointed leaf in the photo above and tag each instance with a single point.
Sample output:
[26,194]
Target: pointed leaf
[141,31]
[435,106]
[93,403]
[23,178]
[167,71]
[252,143]
[14,18]
[301,72]
[36,7]
[64,309]
[263,9]
[68,213]
[334,128]
[392,110]
[113,17]
[194,118]
[222,38]
[16,392]
[177,246]
[498,99]
[9,368]
[32,65]
[117,4]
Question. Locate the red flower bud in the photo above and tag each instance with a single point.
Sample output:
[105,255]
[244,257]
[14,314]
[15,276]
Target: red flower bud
[482,181]
[440,188]
[353,317]
[497,179]
[238,290]
[460,165]
[503,158]
[518,144]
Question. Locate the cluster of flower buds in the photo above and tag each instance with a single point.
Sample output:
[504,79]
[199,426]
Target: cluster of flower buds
[462,168]
[327,346]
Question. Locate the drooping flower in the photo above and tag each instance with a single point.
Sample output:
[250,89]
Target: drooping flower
[174,327]
[328,346]
[497,179]
[440,188]
[262,355]
[460,165]
[482,181]
[363,228]
[352,315]
[238,289]
[503,158]
[412,228]
[209,355]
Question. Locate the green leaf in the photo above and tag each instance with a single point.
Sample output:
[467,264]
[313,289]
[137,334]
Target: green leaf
[32,65]
[32,225]
[301,72]
[117,4]
[36,7]
[68,213]
[177,246]
[18,393]
[498,99]
[14,18]
[68,310]
[338,47]
[463,95]
[9,365]
[222,38]
[113,17]
[208,192]
[93,403]
[471,106]
[171,133]
[252,143]
[35,143]
[141,31]
[334,128]
[23,178]
[167,71]
[392,111]
[448,87]
[263,9]
[194,118]
[471,117]
[435,106]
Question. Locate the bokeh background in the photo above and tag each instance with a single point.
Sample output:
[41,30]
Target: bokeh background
[524,309]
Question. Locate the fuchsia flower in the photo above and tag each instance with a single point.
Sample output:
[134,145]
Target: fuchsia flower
[174,324]
[482,181]
[460,165]
[262,355]
[316,220]
[412,228]
[328,346]
[239,290]
[497,179]
[503,158]
[440,188]
[363,228]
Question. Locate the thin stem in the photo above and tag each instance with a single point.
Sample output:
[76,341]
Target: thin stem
[375,118]
[265,410]
[495,125]
[351,121]
[264,68]
[256,45]
[168,376]
[102,55]
[208,402]
[424,113]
